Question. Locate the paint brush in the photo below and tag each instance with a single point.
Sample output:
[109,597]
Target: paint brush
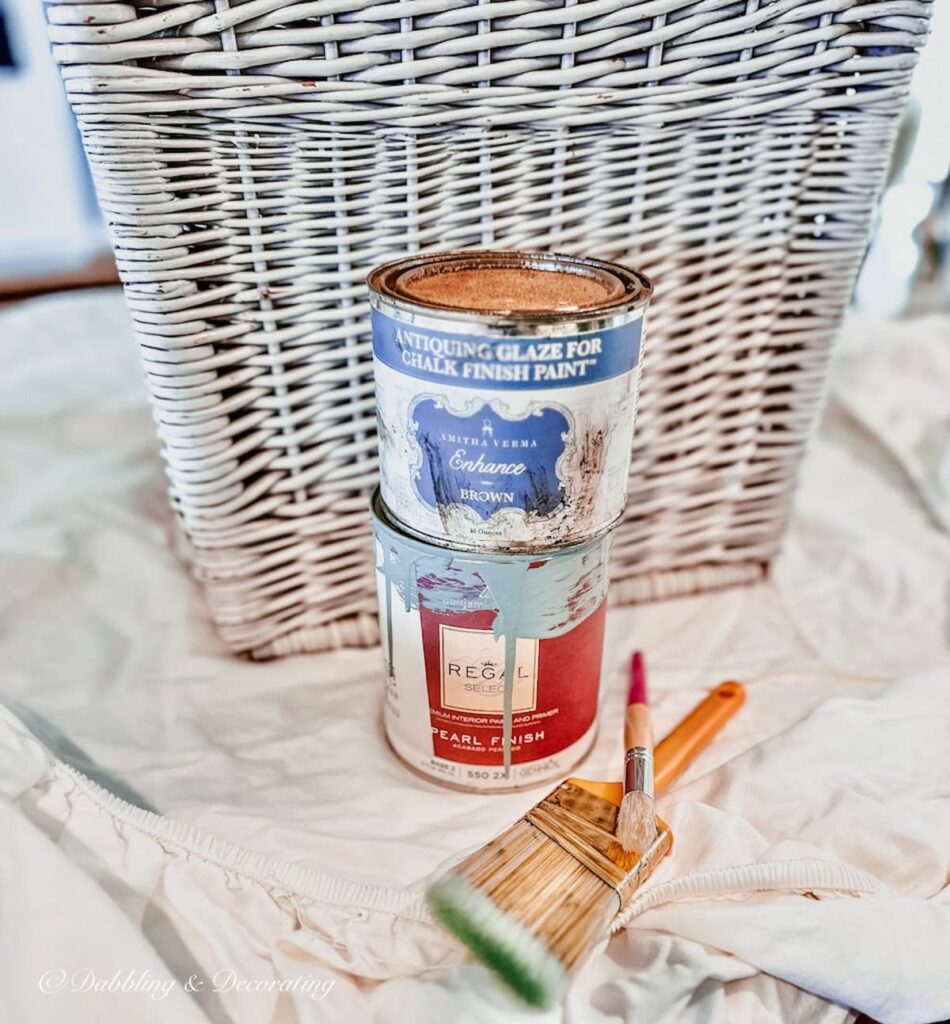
[636,822]
[532,903]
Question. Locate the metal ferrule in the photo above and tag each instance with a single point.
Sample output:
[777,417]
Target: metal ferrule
[638,771]
[583,824]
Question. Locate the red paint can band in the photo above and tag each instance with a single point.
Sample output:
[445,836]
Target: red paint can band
[492,660]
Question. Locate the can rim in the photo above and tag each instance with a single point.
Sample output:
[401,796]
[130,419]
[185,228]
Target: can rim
[380,513]
[632,290]
[542,780]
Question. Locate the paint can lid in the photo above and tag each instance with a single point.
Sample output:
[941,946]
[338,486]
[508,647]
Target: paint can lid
[510,285]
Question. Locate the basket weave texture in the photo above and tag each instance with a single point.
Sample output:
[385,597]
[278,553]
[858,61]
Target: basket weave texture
[255,159]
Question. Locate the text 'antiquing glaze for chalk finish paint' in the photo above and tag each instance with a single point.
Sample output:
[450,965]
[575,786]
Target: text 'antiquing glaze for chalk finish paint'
[457,626]
[506,389]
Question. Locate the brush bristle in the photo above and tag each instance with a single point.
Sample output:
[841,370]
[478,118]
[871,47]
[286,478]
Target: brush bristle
[636,821]
[527,910]
[518,957]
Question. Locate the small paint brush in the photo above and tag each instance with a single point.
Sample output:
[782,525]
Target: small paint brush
[636,822]
[531,904]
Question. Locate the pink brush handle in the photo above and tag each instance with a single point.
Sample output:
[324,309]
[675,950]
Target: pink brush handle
[637,727]
[637,694]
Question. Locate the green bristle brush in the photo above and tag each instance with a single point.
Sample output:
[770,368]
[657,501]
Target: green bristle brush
[533,902]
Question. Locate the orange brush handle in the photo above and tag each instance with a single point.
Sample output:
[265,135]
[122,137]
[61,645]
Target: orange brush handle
[674,752]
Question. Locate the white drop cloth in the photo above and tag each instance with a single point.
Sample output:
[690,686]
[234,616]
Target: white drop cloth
[254,823]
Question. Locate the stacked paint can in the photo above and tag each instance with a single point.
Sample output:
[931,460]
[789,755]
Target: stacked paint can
[506,390]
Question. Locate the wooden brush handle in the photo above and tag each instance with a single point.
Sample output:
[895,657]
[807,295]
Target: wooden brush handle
[637,730]
[675,751]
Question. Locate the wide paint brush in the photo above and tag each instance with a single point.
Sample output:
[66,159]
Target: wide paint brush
[531,904]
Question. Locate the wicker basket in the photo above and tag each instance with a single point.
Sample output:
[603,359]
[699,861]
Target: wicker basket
[254,159]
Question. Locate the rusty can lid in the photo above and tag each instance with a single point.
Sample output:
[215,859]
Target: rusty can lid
[507,285]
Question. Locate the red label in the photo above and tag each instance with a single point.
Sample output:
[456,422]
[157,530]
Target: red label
[555,693]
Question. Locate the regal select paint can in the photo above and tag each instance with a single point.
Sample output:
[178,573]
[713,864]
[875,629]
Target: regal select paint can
[506,389]
[492,660]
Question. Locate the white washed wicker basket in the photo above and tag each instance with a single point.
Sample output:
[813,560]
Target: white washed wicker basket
[254,159]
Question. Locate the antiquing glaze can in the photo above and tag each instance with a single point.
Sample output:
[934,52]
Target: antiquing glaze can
[492,660]
[506,390]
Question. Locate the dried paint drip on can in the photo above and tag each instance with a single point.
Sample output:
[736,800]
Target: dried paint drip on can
[493,660]
[506,388]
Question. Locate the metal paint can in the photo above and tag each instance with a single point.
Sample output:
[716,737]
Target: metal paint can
[492,660]
[506,389]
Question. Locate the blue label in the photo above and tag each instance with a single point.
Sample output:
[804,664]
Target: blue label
[488,462]
[470,360]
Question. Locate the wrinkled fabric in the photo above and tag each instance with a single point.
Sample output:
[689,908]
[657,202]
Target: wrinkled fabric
[58,926]
[208,814]
[913,427]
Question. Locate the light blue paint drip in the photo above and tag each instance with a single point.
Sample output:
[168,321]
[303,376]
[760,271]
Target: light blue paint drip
[508,579]
[548,601]
[387,575]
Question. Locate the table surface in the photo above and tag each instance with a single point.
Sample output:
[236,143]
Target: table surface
[108,655]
